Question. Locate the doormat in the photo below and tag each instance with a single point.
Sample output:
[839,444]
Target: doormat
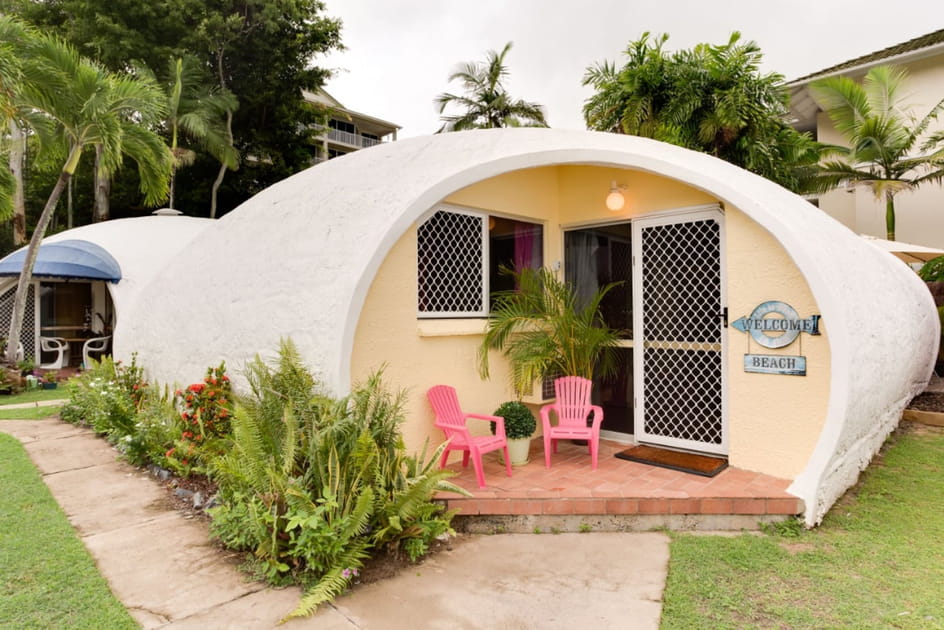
[675,460]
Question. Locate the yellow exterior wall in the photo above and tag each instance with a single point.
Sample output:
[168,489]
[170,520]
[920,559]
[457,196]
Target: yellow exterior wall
[774,420]
[770,432]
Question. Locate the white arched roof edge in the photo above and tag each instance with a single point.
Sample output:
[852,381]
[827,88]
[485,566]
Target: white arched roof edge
[333,225]
[753,196]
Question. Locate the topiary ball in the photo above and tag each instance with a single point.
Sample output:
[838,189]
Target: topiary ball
[519,421]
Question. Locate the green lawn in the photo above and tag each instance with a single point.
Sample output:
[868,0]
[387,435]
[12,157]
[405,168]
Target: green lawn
[47,578]
[29,413]
[877,561]
[60,393]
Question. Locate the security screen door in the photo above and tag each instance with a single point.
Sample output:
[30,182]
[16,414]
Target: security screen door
[679,325]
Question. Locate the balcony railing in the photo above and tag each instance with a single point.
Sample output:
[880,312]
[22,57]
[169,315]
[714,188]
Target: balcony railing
[352,139]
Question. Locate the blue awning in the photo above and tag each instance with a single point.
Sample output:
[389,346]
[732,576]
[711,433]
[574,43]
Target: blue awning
[66,259]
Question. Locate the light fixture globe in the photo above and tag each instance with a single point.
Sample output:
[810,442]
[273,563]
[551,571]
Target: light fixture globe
[615,200]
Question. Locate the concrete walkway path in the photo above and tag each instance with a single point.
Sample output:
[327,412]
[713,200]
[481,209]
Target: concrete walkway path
[168,574]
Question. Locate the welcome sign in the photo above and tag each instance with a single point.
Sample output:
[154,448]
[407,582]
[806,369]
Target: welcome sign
[776,324]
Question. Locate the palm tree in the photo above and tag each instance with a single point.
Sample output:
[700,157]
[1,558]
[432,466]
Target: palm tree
[882,136]
[196,111]
[543,328]
[11,181]
[712,98]
[486,102]
[74,101]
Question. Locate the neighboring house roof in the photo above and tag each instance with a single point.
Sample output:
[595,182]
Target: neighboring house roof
[322,97]
[298,259]
[898,52]
[803,106]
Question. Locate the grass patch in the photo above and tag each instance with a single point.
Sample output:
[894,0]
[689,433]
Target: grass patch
[47,578]
[877,561]
[29,413]
[33,395]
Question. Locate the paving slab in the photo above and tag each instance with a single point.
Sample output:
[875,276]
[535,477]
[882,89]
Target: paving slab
[593,580]
[108,496]
[167,572]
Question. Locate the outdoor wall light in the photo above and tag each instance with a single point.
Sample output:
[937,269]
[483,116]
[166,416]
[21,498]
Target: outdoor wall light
[615,200]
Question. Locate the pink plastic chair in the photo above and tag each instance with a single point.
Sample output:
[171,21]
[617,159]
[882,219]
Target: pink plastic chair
[451,419]
[572,408]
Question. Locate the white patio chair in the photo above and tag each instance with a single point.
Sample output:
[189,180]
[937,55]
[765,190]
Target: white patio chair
[98,345]
[58,345]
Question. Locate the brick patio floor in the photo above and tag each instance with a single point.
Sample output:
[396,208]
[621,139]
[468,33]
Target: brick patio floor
[617,487]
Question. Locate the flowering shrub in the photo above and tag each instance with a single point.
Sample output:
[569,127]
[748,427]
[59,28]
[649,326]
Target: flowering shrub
[205,410]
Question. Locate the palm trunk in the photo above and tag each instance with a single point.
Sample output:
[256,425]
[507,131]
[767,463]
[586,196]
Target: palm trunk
[102,189]
[17,160]
[229,134]
[26,276]
[890,216]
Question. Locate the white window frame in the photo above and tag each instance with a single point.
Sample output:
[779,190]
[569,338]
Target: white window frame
[483,271]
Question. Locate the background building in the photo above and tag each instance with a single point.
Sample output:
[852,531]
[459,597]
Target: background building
[348,130]
[920,213]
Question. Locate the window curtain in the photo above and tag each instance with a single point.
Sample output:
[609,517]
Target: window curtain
[582,270]
[527,247]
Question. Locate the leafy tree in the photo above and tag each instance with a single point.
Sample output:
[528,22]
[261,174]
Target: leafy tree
[260,50]
[486,102]
[712,99]
[11,181]
[195,111]
[882,136]
[71,101]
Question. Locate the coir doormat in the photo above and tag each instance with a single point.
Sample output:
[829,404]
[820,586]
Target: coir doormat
[685,462]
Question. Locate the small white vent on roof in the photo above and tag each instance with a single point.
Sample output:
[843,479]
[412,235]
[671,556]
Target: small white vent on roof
[167,212]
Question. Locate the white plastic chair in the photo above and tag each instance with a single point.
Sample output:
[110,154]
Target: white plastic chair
[54,344]
[95,344]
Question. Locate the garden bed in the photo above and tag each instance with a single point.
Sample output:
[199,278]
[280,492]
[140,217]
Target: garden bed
[926,408]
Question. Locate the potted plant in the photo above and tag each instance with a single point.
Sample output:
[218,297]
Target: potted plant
[519,427]
[543,328]
[50,379]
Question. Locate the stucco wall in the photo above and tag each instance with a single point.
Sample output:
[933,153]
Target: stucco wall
[298,260]
[775,420]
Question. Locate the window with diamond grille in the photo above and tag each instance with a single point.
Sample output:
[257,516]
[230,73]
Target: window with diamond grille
[681,280]
[462,256]
[451,265]
[28,332]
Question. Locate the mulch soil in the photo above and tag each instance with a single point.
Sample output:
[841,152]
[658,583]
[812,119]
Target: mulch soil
[928,401]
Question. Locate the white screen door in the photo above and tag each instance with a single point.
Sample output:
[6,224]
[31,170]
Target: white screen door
[679,330]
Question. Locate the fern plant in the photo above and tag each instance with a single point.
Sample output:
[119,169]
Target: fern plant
[313,485]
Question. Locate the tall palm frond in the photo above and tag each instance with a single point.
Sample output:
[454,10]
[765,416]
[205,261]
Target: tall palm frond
[882,135]
[486,103]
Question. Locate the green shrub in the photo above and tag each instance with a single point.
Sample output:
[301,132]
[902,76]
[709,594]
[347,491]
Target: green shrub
[155,428]
[933,270]
[519,421]
[203,421]
[313,485]
[99,399]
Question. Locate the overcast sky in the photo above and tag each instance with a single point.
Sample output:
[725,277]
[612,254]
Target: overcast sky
[400,53]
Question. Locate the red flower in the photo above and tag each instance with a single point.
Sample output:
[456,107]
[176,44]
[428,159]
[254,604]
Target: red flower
[184,415]
[187,434]
[178,393]
[223,413]
[211,393]
[169,453]
[225,378]
[185,462]
[196,388]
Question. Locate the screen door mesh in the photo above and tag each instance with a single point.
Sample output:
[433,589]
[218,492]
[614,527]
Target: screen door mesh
[681,281]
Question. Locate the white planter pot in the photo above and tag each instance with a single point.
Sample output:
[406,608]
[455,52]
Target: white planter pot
[520,451]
